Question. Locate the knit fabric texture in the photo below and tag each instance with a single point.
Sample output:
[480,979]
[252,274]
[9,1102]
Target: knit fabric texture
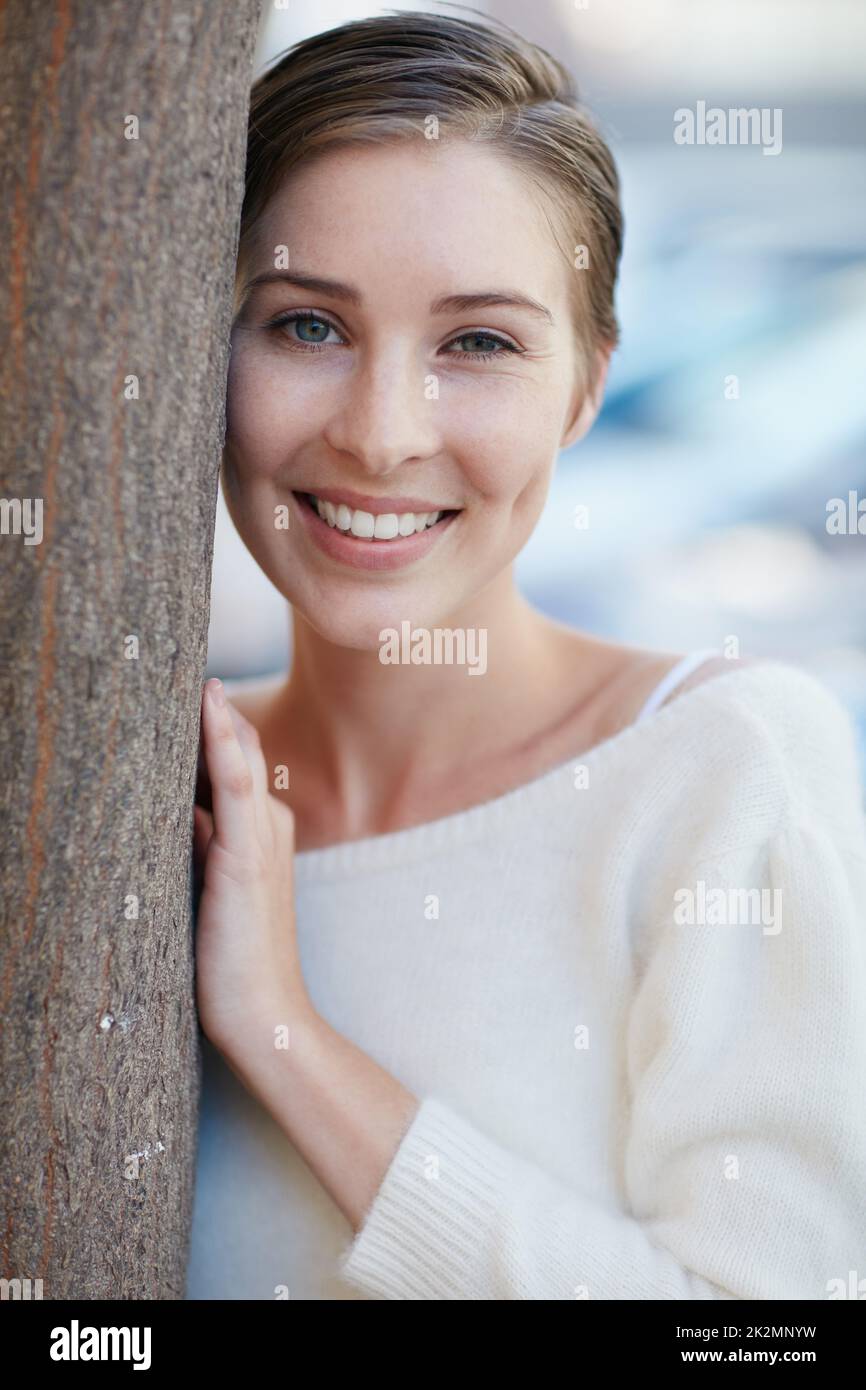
[630,997]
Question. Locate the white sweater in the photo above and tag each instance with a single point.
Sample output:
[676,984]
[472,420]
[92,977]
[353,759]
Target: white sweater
[631,1087]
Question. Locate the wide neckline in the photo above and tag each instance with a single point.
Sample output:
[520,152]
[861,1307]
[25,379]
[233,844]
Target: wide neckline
[396,846]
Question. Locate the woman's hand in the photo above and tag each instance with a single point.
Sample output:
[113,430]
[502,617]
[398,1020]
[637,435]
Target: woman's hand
[248,974]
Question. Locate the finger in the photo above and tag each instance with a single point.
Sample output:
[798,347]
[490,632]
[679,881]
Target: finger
[231,778]
[248,737]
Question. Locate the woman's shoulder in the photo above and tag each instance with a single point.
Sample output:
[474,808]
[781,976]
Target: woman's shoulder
[772,723]
[775,693]
[766,690]
[757,702]
[707,671]
[644,675]
[750,751]
[751,713]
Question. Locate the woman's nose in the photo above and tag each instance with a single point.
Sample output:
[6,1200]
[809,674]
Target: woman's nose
[386,415]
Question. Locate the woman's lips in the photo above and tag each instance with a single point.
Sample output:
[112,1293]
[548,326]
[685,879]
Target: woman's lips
[364,502]
[369,554]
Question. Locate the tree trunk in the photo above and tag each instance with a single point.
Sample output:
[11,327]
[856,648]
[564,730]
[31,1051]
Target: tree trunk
[124,131]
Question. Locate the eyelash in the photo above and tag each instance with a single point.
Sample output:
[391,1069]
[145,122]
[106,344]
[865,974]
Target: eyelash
[299,315]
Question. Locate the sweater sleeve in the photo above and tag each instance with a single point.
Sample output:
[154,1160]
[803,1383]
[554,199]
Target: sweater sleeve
[744,1161]
[745,1164]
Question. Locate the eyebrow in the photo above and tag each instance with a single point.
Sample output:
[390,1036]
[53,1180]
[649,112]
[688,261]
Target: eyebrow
[447,304]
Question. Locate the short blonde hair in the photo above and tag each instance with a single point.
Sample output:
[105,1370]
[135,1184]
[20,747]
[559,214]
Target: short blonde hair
[383,78]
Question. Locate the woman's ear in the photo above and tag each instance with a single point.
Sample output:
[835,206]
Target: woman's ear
[587,399]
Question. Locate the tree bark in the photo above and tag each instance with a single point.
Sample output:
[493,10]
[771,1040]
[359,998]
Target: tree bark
[115,313]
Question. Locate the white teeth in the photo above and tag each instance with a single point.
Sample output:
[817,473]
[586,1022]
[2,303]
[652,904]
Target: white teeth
[383,527]
[386,526]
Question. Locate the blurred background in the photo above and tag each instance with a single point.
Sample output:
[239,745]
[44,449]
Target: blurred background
[736,404]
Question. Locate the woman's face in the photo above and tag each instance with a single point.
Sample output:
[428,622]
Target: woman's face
[405,390]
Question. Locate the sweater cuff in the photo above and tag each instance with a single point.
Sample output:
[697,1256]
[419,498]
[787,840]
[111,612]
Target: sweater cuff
[432,1215]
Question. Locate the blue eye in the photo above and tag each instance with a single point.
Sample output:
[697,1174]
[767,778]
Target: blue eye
[315,329]
[311,333]
[499,345]
[312,329]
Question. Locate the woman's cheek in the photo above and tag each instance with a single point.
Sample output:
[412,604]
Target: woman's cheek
[246,409]
[260,411]
[506,450]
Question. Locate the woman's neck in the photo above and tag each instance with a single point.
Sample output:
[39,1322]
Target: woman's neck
[368,743]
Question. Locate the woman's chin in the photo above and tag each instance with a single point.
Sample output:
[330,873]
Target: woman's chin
[366,625]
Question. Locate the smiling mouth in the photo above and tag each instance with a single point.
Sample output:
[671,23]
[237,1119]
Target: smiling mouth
[367,526]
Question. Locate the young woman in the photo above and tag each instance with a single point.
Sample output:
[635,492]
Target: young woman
[533,976]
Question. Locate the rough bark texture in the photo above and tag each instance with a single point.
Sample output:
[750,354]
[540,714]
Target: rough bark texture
[118,262]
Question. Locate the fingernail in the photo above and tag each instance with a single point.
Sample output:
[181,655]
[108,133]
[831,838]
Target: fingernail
[217,692]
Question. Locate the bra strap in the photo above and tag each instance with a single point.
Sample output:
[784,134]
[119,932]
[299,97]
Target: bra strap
[673,678]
